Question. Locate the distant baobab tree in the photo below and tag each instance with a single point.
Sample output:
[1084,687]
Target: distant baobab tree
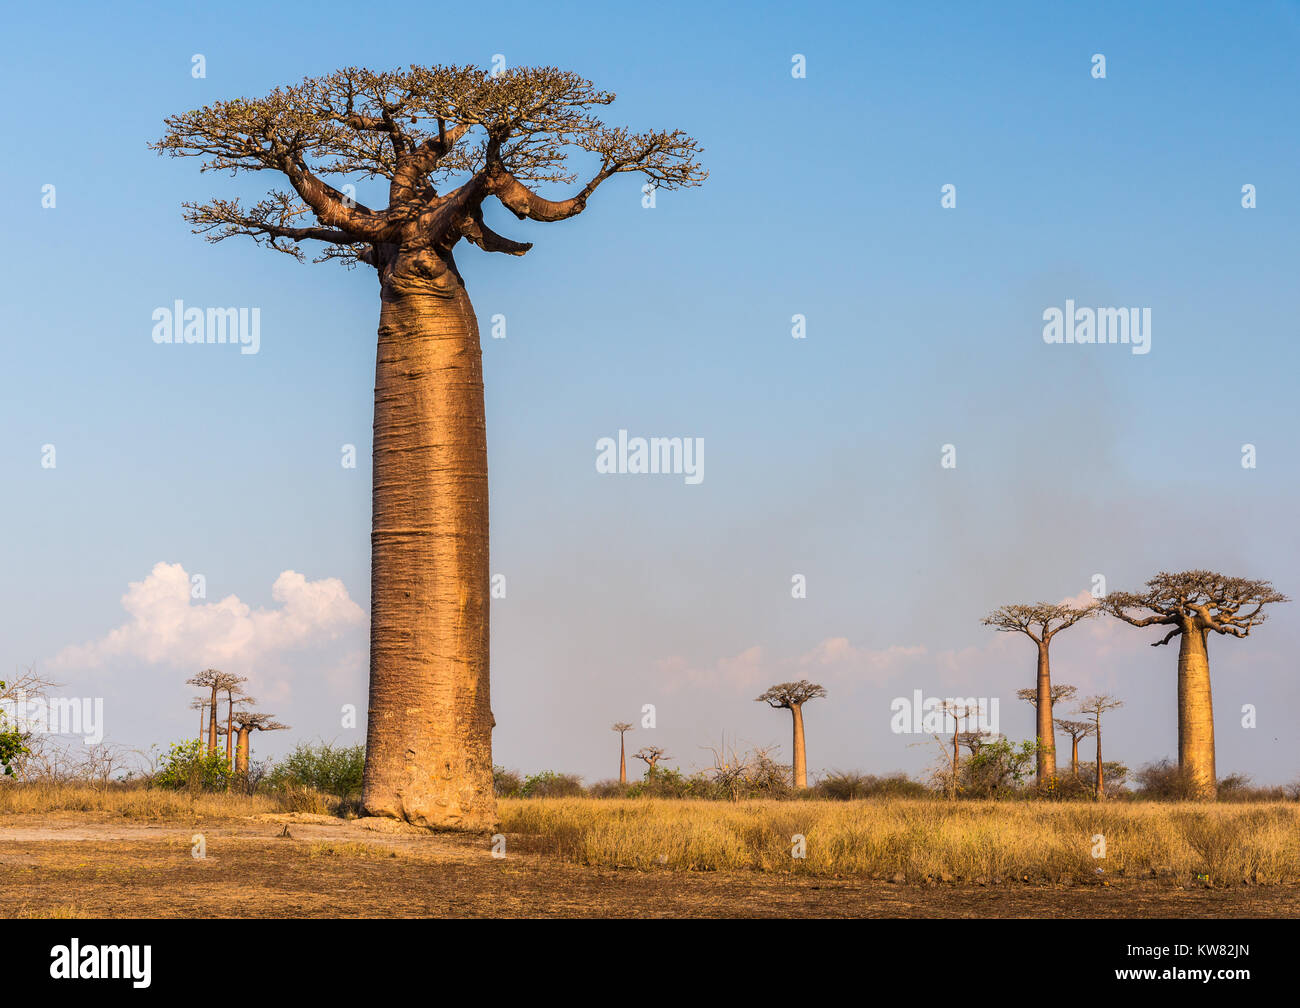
[234,694]
[960,711]
[1193,603]
[475,135]
[1040,622]
[217,682]
[245,723]
[1094,707]
[650,755]
[622,727]
[792,696]
[200,704]
[1076,730]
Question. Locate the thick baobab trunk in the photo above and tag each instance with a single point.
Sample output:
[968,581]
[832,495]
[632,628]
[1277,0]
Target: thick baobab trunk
[1196,714]
[429,737]
[241,751]
[622,759]
[800,759]
[1046,728]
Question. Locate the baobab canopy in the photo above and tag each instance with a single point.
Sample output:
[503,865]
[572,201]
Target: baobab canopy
[418,129]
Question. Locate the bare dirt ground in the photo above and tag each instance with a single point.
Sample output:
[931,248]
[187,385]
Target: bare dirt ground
[293,865]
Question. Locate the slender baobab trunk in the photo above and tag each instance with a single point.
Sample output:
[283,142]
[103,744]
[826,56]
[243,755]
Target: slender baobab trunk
[203,713]
[956,756]
[1074,755]
[800,759]
[1196,713]
[1046,729]
[622,759]
[1099,792]
[212,723]
[429,738]
[230,721]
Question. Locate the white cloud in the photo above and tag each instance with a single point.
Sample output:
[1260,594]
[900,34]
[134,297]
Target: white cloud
[167,627]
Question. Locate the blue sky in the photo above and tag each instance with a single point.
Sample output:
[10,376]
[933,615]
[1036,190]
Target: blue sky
[924,328]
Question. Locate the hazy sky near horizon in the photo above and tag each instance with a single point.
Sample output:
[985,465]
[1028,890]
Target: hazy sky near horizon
[822,455]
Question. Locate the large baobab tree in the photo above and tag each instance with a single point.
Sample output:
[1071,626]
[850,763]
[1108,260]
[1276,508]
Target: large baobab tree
[792,696]
[245,723]
[446,141]
[1076,730]
[1094,707]
[1192,604]
[1040,622]
[622,727]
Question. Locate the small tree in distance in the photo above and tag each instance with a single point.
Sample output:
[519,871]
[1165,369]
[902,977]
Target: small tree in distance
[1076,730]
[650,755]
[622,727]
[1094,707]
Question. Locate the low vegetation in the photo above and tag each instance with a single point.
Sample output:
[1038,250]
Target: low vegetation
[918,841]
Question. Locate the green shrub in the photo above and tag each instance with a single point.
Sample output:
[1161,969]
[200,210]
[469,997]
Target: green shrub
[13,743]
[333,770]
[550,784]
[188,765]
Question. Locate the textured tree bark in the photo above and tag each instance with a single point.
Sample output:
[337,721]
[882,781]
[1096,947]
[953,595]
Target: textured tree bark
[800,760]
[1046,730]
[241,751]
[1196,713]
[429,737]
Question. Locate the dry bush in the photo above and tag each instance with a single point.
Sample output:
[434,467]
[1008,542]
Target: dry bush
[350,850]
[848,785]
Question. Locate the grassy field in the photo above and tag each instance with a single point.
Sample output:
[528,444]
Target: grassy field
[76,851]
[919,840]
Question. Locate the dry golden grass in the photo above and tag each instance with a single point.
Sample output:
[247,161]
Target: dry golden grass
[63,911]
[135,802]
[918,840]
